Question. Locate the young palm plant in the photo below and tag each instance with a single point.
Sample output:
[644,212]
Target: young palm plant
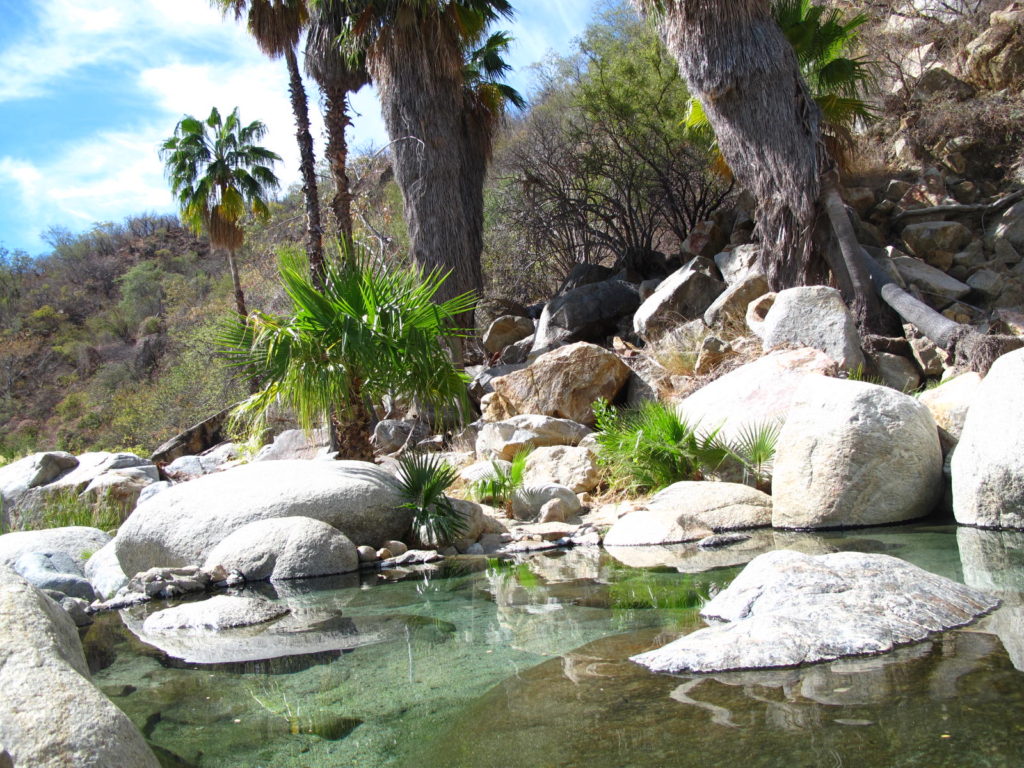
[423,479]
[500,486]
[369,332]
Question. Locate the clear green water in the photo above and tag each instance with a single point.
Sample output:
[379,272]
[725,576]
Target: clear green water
[527,665]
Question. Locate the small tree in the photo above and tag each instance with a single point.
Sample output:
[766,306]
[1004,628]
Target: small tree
[369,332]
[217,173]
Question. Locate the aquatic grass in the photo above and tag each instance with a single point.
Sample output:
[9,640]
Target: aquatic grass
[423,479]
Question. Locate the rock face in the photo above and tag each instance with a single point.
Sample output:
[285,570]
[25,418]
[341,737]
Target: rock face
[587,313]
[75,541]
[284,548]
[755,393]
[787,609]
[853,453]
[816,317]
[683,295]
[988,463]
[739,263]
[563,383]
[504,439]
[572,466]
[690,511]
[182,524]
[505,330]
[51,715]
[215,613]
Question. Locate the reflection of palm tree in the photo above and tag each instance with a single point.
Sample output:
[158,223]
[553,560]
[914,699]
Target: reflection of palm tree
[277,25]
[217,172]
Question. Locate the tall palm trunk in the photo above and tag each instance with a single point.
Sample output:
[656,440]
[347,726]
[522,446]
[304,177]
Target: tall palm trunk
[418,69]
[314,225]
[338,120]
[236,284]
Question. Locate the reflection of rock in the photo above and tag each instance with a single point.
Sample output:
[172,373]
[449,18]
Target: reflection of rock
[994,561]
[787,609]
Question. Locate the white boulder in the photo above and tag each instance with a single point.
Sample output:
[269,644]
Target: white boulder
[813,316]
[504,439]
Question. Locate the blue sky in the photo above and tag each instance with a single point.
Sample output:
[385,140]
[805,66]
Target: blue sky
[91,87]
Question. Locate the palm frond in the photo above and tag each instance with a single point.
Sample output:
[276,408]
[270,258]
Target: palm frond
[423,479]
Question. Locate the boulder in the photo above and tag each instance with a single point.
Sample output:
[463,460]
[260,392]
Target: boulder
[896,371]
[78,542]
[55,571]
[505,330]
[563,383]
[730,308]
[93,465]
[705,238]
[738,264]
[477,520]
[572,466]
[936,284]
[483,470]
[32,471]
[684,295]
[813,316]
[194,440]
[853,453]
[587,313]
[995,58]
[190,467]
[504,439]
[104,572]
[284,548]
[215,613]
[938,82]
[936,242]
[529,499]
[51,715]
[120,487]
[786,609]
[1009,227]
[690,511]
[389,435]
[482,383]
[950,401]
[296,444]
[754,394]
[988,463]
[181,525]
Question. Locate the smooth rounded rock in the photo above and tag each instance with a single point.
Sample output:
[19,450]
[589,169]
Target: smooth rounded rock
[530,499]
[56,571]
[813,316]
[215,613]
[79,542]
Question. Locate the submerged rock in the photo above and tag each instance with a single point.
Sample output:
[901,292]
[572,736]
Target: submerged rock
[216,613]
[786,609]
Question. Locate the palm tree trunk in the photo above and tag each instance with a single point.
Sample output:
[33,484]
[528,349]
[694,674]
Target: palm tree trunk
[307,165]
[237,285]
[337,155]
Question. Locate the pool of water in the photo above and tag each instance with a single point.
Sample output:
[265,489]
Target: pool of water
[478,663]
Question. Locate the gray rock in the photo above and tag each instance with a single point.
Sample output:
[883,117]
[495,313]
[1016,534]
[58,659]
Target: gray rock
[194,440]
[483,470]
[30,472]
[482,383]
[51,715]
[815,317]
[104,572]
[367,554]
[896,371]
[296,444]
[588,313]
[690,511]
[75,541]
[152,490]
[719,540]
[182,524]
[988,464]
[729,310]
[935,242]
[739,263]
[284,548]
[1010,226]
[529,499]
[786,609]
[950,401]
[986,283]
[519,352]
[684,295]
[505,330]
[56,571]
[391,434]
[993,561]
[75,607]
[933,282]
[853,453]
[572,466]
[504,439]
[215,613]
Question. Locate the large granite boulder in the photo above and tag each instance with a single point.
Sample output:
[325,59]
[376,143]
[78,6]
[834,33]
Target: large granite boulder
[563,383]
[504,439]
[76,541]
[689,511]
[51,715]
[572,466]
[853,453]
[988,463]
[284,548]
[786,609]
[181,525]
[32,471]
[813,316]
[754,394]
[993,561]
[587,313]
[950,401]
[739,263]
[505,330]
[684,295]
[528,500]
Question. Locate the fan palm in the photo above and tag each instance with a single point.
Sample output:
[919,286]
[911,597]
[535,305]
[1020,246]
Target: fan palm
[338,75]
[218,171]
[416,54]
[367,333]
[277,25]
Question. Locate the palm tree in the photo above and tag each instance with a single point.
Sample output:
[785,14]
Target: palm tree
[416,54]
[369,332]
[338,75]
[218,172]
[277,25]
